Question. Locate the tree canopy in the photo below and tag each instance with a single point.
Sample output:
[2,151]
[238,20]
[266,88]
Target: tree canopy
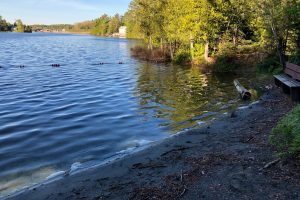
[211,27]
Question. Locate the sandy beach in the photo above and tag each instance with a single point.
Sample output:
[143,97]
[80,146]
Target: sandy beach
[226,159]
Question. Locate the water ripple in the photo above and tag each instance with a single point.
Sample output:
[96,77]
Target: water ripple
[53,117]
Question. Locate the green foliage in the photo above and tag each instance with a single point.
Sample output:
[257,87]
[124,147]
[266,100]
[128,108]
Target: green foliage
[4,26]
[225,57]
[20,26]
[182,57]
[103,26]
[229,28]
[248,46]
[281,21]
[224,63]
[27,29]
[270,65]
[106,25]
[114,24]
[54,27]
[227,49]
[198,51]
[82,27]
[286,135]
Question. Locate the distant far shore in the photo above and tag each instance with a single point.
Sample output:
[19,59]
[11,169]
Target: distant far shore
[78,33]
[66,32]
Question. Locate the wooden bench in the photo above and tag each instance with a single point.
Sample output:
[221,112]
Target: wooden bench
[289,82]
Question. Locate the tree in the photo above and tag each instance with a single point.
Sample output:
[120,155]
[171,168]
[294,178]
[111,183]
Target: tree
[199,26]
[101,25]
[114,24]
[281,18]
[20,26]
[4,26]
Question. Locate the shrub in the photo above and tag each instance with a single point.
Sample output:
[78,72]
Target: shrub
[155,55]
[270,65]
[225,63]
[227,49]
[182,57]
[286,135]
[225,59]
[248,48]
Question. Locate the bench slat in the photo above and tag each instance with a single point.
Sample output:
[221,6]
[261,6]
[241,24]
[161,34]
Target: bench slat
[288,81]
[293,70]
[293,67]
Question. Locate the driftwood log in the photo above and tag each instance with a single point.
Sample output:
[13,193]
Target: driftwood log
[244,93]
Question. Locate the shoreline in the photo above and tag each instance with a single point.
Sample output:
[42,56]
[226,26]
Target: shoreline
[224,159]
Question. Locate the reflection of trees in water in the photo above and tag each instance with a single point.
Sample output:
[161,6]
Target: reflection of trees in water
[178,94]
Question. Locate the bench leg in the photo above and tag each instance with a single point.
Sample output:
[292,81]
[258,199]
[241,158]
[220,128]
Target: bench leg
[277,82]
[295,94]
[285,89]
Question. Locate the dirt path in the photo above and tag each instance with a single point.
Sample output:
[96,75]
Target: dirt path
[223,160]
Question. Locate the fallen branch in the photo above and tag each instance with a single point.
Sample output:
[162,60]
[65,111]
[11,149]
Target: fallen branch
[270,164]
[251,138]
[183,192]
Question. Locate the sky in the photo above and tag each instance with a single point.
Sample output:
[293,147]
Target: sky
[59,11]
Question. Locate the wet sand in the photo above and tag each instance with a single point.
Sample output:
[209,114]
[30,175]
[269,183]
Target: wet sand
[222,160]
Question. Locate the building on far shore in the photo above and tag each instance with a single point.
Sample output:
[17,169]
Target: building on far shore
[122,31]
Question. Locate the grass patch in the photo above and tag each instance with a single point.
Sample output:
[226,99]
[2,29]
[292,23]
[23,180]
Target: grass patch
[286,135]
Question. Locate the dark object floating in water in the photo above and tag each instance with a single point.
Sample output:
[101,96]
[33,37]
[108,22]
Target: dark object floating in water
[21,66]
[244,93]
[101,63]
[55,65]
[120,63]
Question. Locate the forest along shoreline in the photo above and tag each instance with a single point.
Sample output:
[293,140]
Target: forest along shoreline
[228,158]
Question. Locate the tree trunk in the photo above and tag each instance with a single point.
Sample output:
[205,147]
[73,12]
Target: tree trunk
[206,52]
[171,51]
[150,46]
[297,58]
[280,50]
[192,48]
[161,44]
[235,36]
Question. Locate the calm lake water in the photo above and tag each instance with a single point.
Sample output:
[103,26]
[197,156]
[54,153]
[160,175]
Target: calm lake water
[84,113]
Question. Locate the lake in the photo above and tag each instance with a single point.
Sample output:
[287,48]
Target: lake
[82,113]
